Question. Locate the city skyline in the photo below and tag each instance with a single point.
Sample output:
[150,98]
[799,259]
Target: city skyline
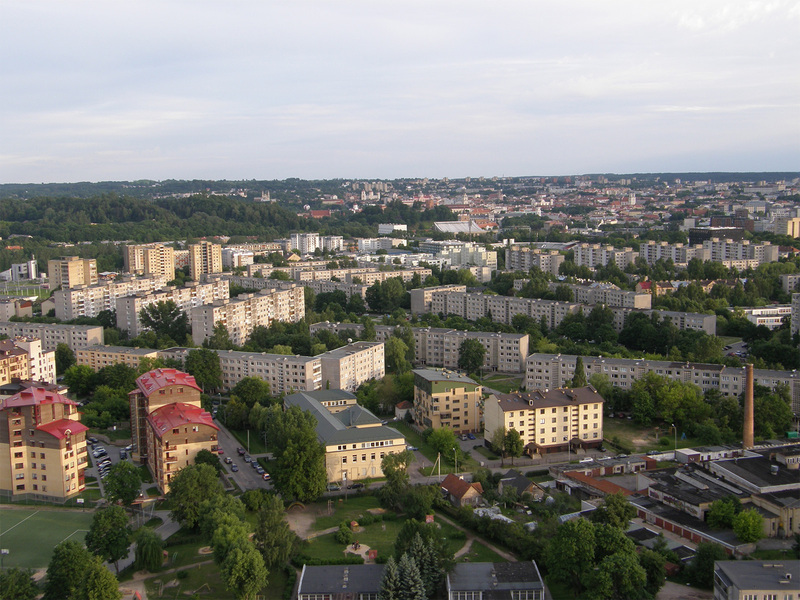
[409,89]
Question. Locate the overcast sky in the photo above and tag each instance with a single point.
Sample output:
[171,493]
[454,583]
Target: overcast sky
[118,90]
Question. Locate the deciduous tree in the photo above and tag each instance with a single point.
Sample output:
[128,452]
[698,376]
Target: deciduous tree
[614,510]
[16,584]
[244,572]
[471,354]
[273,537]
[571,551]
[149,550]
[204,365]
[109,535]
[252,390]
[748,526]
[66,571]
[65,358]
[123,483]
[187,490]
[514,444]
[167,319]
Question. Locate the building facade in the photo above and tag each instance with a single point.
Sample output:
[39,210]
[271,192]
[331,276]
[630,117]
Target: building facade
[41,363]
[444,398]
[99,356]
[524,258]
[69,271]
[348,367]
[306,243]
[90,301]
[205,258]
[150,259]
[53,334]
[42,446]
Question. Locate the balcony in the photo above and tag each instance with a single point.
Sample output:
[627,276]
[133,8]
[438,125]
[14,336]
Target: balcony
[170,459]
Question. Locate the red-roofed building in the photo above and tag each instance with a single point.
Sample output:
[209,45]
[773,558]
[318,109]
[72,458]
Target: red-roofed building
[460,492]
[168,425]
[42,446]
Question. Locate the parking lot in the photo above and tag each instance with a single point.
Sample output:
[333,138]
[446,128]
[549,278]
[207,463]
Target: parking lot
[104,456]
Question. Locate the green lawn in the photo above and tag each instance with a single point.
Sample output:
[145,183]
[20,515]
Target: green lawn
[643,438]
[415,439]
[117,435]
[480,553]
[503,383]
[47,527]
[348,510]
[481,449]
[256,444]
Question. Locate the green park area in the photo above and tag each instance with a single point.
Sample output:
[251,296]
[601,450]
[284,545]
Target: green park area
[49,527]
[625,435]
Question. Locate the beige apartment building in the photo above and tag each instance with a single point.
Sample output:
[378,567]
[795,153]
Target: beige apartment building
[548,420]
[524,258]
[69,271]
[41,363]
[150,259]
[756,580]
[444,398]
[592,255]
[90,301]
[355,440]
[15,307]
[421,298]
[42,446]
[606,293]
[204,258]
[246,312]
[99,356]
[168,425]
[14,364]
[186,297]
[348,367]
[53,334]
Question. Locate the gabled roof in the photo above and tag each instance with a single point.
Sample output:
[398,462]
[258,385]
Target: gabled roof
[357,416]
[457,487]
[156,379]
[34,396]
[176,414]
[63,428]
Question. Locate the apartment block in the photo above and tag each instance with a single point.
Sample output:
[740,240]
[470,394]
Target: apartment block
[42,446]
[181,259]
[592,255]
[41,363]
[548,371]
[370,245]
[15,307]
[405,275]
[325,287]
[789,282]
[90,301]
[548,420]
[788,226]
[332,243]
[235,258]
[99,356]
[421,297]
[306,243]
[205,258]
[246,312]
[355,440]
[69,271]
[14,363]
[168,425]
[150,259]
[795,313]
[348,367]
[53,334]
[606,293]
[680,254]
[187,297]
[444,398]
[524,258]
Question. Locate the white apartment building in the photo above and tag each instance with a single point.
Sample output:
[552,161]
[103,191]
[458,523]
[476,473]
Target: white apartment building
[421,297]
[99,356]
[306,243]
[789,282]
[591,255]
[548,371]
[247,311]
[726,250]
[186,298]
[370,245]
[235,258]
[795,313]
[679,254]
[41,363]
[90,301]
[350,289]
[524,258]
[605,293]
[332,243]
[348,367]
[53,334]
[150,259]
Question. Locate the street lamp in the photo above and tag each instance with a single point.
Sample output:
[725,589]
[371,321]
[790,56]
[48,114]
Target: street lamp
[675,429]
[455,458]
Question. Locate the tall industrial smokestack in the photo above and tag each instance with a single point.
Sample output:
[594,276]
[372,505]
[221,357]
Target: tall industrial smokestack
[747,434]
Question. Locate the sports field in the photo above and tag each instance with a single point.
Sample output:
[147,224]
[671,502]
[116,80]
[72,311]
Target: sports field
[30,534]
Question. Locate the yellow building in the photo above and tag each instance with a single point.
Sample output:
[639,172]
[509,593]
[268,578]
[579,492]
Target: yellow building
[150,259]
[100,356]
[355,440]
[548,420]
[168,425]
[445,398]
[14,364]
[69,271]
[42,446]
[204,258]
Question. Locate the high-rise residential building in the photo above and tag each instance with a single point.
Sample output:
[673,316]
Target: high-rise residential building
[548,420]
[204,258]
[150,259]
[90,301]
[168,425]
[348,367]
[242,314]
[306,243]
[14,363]
[41,363]
[524,258]
[53,334]
[70,271]
[445,398]
[332,243]
[43,446]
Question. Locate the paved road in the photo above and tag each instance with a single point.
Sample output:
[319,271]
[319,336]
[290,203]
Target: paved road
[246,478]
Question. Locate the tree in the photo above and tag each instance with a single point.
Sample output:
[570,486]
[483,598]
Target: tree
[579,379]
[654,564]
[614,510]
[471,354]
[220,338]
[188,488]
[721,513]
[123,483]
[252,390]
[230,533]
[65,358]
[748,526]
[204,365]
[411,579]
[206,457]
[701,569]
[391,587]
[571,551]
[166,319]
[109,535]
[443,440]
[80,380]
[618,576]
[149,550]
[16,584]
[66,571]
[513,444]
[273,537]
[395,351]
[610,540]
[98,583]
[300,472]
[244,572]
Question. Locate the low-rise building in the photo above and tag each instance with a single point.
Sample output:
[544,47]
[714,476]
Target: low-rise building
[512,580]
[548,420]
[42,448]
[459,492]
[756,579]
[99,356]
[355,440]
[15,307]
[445,398]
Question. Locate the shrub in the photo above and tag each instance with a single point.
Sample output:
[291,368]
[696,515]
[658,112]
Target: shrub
[344,535]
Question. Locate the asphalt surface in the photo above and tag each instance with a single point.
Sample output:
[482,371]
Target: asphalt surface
[246,477]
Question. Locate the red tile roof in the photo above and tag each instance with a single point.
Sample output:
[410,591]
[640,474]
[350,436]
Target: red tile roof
[62,428]
[602,485]
[34,396]
[178,414]
[161,378]
[457,487]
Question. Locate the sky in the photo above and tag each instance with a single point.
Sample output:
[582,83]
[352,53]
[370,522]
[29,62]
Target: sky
[240,89]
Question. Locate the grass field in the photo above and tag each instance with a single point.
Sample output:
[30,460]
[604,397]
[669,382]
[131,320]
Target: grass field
[503,383]
[643,438]
[48,527]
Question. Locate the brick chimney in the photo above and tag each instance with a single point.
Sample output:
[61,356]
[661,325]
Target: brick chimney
[747,433]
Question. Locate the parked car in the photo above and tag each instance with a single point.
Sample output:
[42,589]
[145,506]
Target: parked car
[92,440]
[254,464]
[464,437]
[240,451]
[228,460]
[260,470]
[234,468]
[247,459]
[471,436]
[265,476]
[412,448]
[123,455]
[334,487]
[355,486]
[220,451]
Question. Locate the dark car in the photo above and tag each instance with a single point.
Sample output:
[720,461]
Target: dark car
[471,436]
[92,440]
[240,451]
[247,459]
[254,464]
[123,455]
[234,468]
[355,486]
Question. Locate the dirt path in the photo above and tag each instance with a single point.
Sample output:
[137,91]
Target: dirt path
[137,584]
[465,548]
[471,536]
